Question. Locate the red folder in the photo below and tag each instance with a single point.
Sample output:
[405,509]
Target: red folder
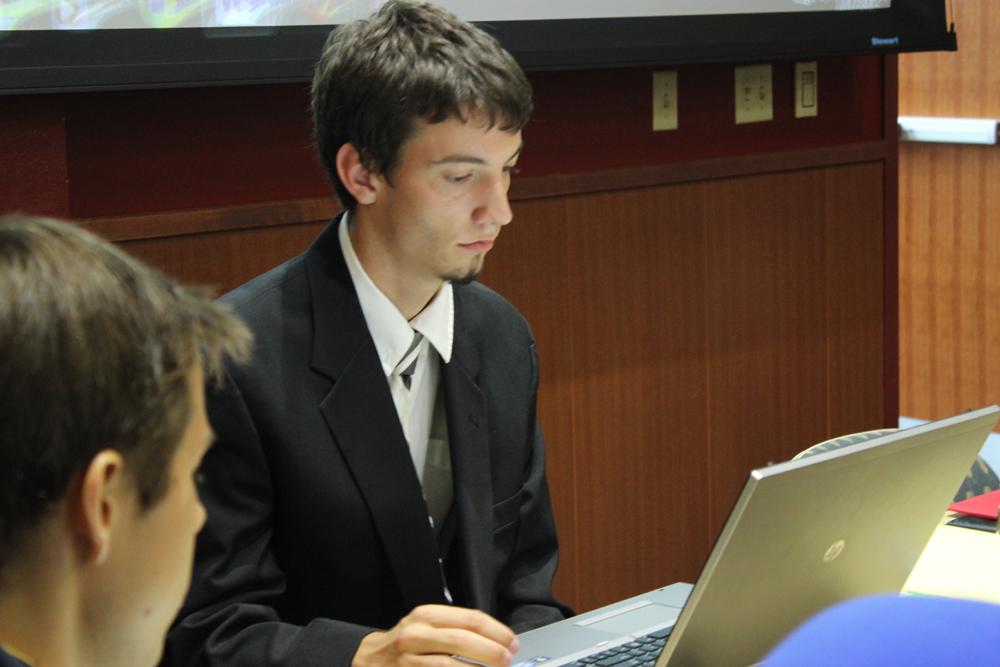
[984,506]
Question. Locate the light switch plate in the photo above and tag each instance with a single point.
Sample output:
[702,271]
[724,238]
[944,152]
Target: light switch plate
[665,100]
[806,89]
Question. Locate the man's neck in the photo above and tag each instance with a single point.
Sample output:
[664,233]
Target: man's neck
[408,293]
[40,613]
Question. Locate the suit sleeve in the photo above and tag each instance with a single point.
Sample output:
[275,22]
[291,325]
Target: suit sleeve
[229,617]
[525,599]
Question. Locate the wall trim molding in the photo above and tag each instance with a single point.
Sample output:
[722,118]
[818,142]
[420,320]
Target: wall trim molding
[300,211]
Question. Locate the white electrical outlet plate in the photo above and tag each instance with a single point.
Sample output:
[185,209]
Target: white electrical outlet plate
[753,94]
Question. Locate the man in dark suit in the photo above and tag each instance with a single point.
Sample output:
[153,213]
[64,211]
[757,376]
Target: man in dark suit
[377,493]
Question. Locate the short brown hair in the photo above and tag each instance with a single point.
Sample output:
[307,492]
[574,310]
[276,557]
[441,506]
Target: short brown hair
[95,352]
[409,60]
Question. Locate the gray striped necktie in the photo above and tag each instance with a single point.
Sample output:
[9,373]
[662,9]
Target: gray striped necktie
[408,363]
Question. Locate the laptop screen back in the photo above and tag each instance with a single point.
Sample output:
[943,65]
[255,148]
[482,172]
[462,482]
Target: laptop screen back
[808,533]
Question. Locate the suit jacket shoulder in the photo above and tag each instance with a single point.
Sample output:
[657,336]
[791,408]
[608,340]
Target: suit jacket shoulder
[7,660]
[267,301]
[490,333]
[481,309]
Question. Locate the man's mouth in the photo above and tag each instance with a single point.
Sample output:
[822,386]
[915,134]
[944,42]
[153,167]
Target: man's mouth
[478,246]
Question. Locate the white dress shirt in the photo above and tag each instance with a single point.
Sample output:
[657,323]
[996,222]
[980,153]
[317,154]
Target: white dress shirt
[420,410]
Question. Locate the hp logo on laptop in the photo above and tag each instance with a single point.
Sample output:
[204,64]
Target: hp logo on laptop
[834,551]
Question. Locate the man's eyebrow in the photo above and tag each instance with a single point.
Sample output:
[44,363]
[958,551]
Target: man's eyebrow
[452,159]
[472,159]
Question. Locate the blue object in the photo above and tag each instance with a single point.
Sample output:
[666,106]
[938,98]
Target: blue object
[895,630]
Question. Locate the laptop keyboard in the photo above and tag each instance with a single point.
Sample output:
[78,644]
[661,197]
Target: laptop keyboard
[641,652]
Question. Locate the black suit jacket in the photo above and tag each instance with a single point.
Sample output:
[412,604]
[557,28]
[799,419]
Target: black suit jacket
[317,529]
[7,660]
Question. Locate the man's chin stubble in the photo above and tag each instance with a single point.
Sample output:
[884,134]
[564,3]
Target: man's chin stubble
[467,277]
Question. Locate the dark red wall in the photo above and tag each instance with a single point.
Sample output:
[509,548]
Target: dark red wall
[119,153]
[33,170]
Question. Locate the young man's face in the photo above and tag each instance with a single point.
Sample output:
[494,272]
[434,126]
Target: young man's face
[443,205]
[149,565]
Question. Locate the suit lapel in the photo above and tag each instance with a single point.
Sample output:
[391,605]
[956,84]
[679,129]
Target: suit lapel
[468,435]
[362,419]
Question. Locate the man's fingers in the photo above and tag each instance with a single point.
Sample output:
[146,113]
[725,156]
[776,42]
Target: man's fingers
[473,620]
[435,636]
[423,639]
[431,660]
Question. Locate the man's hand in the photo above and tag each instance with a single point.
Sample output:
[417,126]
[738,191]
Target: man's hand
[433,635]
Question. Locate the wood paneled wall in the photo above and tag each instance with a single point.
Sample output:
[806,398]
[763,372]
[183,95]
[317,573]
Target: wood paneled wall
[686,340]
[949,236]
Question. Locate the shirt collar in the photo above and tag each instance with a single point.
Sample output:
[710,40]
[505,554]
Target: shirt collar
[390,331]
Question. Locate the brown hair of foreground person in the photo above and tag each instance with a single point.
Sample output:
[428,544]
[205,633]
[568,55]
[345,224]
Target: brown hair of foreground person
[102,427]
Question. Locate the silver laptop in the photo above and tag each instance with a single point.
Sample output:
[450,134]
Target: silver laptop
[803,535]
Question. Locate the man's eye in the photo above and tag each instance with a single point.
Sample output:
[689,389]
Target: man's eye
[512,170]
[461,178]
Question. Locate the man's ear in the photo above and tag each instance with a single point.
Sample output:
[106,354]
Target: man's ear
[359,180]
[98,502]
